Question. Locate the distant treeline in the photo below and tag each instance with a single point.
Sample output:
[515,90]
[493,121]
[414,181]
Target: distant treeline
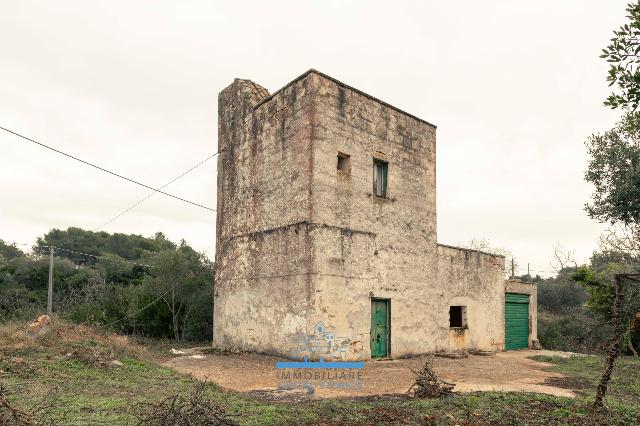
[564,321]
[134,284]
[154,287]
[577,318]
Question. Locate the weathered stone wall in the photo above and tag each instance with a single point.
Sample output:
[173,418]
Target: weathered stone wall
[377,247]
[473,279]
[514,285]
[263,254]
[300,242]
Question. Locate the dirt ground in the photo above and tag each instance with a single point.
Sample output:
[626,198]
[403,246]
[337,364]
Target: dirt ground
[506,371]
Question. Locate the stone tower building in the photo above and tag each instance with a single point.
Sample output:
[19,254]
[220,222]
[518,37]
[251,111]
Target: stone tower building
[327,215]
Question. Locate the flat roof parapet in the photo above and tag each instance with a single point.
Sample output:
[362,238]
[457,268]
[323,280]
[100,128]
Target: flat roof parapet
[346,86]
[473,250]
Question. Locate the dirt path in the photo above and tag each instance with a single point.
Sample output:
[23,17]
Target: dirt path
[506,371]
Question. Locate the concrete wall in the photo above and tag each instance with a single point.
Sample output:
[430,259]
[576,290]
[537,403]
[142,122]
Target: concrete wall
[515,285]
[301,243]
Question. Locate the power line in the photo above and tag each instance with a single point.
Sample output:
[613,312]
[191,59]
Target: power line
[13,243]
[58,248]
[100,257]
[105,170]
[139,310]
[133,206]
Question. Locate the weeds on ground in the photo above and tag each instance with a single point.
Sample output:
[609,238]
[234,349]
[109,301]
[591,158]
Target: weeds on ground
[584,372]
[13,415]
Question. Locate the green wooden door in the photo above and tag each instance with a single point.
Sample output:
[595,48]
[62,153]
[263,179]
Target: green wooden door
[516,321]
[379,328]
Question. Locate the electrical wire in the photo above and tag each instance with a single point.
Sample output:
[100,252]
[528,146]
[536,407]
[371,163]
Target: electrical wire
[56,248]
[133,206]
[116,260]
[105,170]
[139,310]
[13,243]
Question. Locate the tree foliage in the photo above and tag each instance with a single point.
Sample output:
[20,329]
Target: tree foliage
[564,321]
[9,251]
[573,329]
[614,170]
[623,56]
[597,279]
[75,241]
[178,279]
[559,294]
[149,286]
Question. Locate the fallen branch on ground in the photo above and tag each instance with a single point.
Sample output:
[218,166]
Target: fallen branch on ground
[9,414]
[175,410]
[428,384]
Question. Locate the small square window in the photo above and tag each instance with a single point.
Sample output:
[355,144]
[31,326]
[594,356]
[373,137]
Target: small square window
[457,317]
[380,173]
[344,163]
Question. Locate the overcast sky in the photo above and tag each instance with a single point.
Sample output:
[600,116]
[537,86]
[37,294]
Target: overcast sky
[514,88]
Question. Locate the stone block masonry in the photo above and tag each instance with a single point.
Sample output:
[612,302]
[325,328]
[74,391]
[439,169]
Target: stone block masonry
[304,237]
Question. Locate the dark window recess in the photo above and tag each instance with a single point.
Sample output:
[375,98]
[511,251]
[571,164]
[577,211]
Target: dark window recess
[380,173]
[344,163]
[458,317]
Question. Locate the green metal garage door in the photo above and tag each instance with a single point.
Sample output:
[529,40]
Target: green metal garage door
[516,321]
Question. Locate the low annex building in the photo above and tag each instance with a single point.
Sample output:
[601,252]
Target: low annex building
[326,226]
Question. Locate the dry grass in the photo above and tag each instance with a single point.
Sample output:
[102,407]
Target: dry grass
[62,337]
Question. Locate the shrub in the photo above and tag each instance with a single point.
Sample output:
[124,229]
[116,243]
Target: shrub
[575,330]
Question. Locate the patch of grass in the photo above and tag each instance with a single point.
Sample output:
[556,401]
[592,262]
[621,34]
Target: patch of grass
[585,371]
[86,394]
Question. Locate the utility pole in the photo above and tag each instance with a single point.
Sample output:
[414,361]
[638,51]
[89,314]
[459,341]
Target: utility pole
[528,274]
[50,295]
[513,274]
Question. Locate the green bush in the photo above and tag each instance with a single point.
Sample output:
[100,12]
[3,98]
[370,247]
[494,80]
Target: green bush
[169,298]
[575,330]
[559,294]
